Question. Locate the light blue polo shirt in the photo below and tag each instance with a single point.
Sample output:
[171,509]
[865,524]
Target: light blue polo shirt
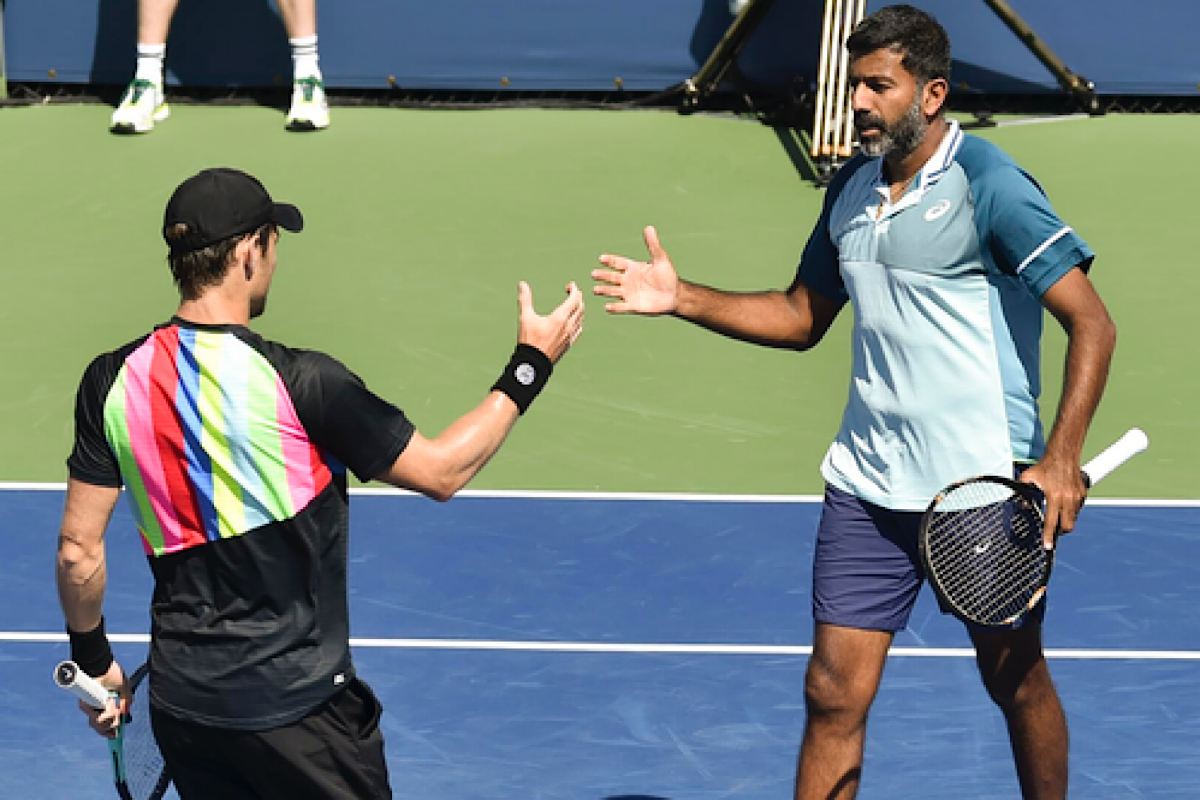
[946,288]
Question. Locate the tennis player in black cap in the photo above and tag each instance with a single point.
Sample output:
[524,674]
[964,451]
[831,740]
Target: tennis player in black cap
[234,453]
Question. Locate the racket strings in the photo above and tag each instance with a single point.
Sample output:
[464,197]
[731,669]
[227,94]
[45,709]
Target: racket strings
[984,551]
[145,771]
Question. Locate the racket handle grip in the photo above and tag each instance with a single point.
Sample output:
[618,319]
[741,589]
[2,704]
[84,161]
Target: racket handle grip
[69,676]
[1116,454]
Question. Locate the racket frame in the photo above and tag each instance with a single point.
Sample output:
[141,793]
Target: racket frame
[164,780]
[70,677]
[1134,441]
[1033,498]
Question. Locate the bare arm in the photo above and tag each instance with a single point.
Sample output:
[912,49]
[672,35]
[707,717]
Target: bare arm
[81,573]
[1091,338]
[81,576]
[441,466]
[795,319]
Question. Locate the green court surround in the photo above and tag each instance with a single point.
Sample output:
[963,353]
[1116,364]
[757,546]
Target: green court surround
[420,224]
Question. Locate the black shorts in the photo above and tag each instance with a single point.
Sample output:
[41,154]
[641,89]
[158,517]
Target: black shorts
[335,753]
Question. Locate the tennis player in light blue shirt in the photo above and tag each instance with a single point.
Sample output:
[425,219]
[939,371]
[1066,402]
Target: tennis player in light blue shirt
[946,284]
[947,252]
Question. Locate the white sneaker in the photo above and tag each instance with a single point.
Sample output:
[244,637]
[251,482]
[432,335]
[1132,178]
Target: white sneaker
[310,109]
[142,105]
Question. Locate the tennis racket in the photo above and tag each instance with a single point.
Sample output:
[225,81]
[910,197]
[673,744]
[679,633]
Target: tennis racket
[981,541]
[138,768]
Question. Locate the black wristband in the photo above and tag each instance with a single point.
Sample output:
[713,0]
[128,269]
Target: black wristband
[526,374]
[91,651]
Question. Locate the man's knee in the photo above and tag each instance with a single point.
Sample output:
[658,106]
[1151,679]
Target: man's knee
[1015,674]
[843,695]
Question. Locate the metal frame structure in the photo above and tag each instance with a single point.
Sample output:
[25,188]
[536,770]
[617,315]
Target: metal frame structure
[1077,85]
[704,83]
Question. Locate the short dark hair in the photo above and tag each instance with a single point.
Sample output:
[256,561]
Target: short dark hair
[907,30]
[196,270]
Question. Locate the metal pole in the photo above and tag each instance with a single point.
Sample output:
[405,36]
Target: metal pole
[838,148]
[705,82]
[3,68]
[820,123]
[1081,87]
[860,10]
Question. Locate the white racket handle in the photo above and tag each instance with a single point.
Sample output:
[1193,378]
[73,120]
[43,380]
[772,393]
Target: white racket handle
[1125,448]
[69,676]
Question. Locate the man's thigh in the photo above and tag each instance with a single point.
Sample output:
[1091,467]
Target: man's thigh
[866,568]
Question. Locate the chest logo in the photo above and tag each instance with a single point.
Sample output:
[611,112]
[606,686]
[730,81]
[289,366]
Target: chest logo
[937,210]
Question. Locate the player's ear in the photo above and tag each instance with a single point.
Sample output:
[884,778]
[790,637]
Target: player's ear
[933,96]
[243,256]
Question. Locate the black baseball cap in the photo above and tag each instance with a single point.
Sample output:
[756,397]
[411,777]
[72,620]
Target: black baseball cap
[221,203]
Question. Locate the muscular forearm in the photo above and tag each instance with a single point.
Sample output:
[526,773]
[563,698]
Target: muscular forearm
[439,467]
[471,441]
[1089,353]
[1091,337]
[80,570]
[767,318]
[81,576]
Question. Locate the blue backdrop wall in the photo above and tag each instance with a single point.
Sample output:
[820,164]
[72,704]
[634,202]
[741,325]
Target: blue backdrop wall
[586,45]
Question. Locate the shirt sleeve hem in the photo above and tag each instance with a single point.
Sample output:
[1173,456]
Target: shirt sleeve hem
[95,479]
[382,464]
[1076,255]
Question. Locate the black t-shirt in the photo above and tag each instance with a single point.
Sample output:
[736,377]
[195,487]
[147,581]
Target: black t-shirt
[233,451]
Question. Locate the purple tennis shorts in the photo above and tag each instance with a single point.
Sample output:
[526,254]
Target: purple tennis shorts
[866,568]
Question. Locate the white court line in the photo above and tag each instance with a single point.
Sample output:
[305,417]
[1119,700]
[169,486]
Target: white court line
[1009,123]
[685,497]
[975,124]
[658,649]
[525,494]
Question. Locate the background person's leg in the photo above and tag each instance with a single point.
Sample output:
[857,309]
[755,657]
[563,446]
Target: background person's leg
[309,109]
[144,102]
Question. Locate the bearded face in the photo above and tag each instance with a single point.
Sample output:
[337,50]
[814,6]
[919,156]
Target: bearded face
[879,137]
[893,110]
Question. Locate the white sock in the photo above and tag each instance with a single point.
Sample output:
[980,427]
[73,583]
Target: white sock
[150,58]
[304,57]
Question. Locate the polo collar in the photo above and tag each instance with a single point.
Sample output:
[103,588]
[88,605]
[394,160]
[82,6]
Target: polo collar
[931,172]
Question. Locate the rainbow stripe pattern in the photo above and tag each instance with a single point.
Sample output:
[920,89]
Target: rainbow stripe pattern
[208,440]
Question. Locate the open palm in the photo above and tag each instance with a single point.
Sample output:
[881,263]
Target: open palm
[637,286]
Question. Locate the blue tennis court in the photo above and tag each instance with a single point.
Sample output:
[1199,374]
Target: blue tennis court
[653,647]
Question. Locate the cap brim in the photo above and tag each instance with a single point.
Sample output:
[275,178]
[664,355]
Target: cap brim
[287,216]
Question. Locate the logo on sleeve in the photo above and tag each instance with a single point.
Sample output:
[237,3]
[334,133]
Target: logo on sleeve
[937,210]
[525,374]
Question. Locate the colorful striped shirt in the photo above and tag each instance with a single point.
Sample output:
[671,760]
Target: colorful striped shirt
[208,440]
[231,449]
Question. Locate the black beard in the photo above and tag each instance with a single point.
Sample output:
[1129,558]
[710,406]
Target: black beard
[899,139]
